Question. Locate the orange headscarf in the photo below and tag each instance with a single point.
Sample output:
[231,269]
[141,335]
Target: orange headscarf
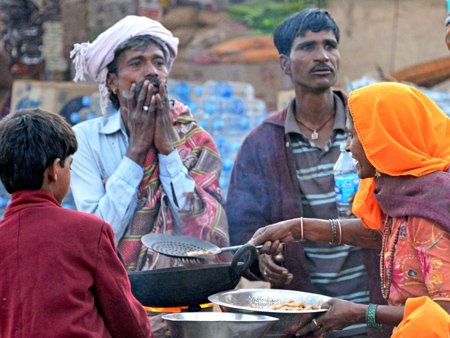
[423,318]
[402,132]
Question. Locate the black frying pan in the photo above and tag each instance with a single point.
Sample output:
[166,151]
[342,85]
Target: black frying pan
[189,286]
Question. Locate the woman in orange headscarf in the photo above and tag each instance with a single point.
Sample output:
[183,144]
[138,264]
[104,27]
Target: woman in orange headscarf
[400,140]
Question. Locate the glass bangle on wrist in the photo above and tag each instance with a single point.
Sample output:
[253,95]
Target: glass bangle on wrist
[371,313]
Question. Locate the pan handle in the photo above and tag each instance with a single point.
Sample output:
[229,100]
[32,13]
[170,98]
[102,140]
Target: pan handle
[248,251]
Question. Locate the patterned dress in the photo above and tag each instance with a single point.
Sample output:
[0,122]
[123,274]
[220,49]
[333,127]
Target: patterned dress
[415,259]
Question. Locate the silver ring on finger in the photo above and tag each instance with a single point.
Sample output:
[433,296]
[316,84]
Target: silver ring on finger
[145,108]
[265,272]
[316,323]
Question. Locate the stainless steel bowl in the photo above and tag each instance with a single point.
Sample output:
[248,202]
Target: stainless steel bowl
[260,301]
[217,325]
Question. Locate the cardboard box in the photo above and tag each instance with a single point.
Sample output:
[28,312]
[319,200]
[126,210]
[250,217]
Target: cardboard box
[57,97]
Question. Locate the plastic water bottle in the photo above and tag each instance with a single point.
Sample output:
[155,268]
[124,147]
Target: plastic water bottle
[346,182]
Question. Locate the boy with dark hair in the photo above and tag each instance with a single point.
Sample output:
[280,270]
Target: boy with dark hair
[61,276]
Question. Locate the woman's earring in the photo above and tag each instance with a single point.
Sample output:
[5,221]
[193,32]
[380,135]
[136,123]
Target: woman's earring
[377,173]
[114,91]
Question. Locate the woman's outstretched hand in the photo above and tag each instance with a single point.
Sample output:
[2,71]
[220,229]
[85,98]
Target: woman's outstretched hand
[272,236]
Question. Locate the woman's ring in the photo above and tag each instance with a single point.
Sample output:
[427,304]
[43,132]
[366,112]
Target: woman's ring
[316,323]
[265,272]
[145,108]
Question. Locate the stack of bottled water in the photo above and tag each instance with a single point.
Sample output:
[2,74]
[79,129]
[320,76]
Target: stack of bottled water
[227,110]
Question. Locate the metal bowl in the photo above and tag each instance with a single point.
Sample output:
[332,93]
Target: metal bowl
[260,301]
[217,325]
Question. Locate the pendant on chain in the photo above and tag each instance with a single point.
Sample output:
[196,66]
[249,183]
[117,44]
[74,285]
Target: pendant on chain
[314,132]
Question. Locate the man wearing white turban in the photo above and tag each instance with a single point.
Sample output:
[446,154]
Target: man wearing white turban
[147,167]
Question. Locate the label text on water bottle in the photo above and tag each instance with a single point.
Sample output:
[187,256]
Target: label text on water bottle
[346,186]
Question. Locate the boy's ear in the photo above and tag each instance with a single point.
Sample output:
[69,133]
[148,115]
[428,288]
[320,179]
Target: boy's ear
[285,64]
[53,169]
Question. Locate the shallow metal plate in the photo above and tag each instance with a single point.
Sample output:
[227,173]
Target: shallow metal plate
[260,301]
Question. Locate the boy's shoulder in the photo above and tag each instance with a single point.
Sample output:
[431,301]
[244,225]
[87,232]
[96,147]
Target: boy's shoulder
[83,226]
[75,218]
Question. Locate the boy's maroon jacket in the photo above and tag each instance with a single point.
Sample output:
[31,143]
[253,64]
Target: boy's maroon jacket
[60,274]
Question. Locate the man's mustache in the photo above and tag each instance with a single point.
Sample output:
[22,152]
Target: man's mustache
[322,67]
